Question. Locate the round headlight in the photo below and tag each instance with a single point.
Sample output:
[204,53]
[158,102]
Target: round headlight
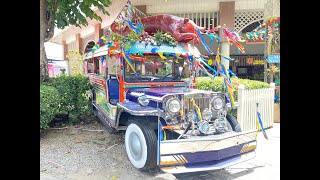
[220,124]
[143,100]
[204,126]
[217,103]
[206,114]
[173,105]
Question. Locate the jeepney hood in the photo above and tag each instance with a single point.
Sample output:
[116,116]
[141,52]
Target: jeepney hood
[157,95]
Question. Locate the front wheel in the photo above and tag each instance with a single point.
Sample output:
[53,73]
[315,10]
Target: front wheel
[141,146]
[234,123]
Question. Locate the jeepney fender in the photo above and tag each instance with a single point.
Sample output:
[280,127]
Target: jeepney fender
[134,109]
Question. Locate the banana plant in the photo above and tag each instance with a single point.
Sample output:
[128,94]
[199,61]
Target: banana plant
[272,71]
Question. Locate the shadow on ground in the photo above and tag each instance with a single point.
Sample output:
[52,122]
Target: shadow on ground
[223,174]
[87,151]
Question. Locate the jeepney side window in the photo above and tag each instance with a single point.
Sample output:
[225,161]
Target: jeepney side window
[90,65]
[96,65]
[105,69]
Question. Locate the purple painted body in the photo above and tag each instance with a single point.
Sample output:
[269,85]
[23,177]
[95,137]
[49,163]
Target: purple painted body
[210,156]
[157,93]
[160,92]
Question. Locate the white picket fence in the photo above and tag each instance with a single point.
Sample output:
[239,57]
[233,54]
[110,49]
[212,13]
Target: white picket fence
[247,110]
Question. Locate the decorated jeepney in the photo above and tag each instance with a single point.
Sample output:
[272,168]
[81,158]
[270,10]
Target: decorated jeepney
[147,88]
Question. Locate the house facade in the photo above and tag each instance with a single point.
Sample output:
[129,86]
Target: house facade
[240,15]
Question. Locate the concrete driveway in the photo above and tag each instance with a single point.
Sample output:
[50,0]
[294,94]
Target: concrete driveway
[64,157]
[266,165]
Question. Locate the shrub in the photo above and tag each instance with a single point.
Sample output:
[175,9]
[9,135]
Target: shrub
[217,84]
[74,100]
[49,105]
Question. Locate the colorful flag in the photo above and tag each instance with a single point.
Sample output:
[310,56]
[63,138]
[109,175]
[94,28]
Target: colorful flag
[260,126]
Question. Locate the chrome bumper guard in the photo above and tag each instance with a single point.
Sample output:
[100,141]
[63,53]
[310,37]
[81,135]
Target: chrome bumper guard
[206,153]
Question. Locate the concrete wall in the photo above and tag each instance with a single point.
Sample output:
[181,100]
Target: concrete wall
[185,6]
[54,51]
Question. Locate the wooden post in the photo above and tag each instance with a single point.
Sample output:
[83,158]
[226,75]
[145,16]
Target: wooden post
[241,105]
[266,54]
[273,86]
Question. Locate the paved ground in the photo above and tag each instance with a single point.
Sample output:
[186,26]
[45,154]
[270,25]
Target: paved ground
[266,165]
[76,153]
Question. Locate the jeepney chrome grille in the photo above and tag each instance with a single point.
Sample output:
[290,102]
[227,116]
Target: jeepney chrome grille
[201,101]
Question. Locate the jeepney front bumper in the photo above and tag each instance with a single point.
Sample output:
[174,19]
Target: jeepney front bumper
[206,153]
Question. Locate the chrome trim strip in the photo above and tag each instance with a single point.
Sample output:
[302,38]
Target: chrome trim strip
[193,91]
[158,99]
[138,113]
[220,165]
[221,137]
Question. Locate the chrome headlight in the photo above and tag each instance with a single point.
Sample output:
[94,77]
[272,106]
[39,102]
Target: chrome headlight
[217,103]
[143,100]
[204,126]
[173,105]
[221,124]
[206,114]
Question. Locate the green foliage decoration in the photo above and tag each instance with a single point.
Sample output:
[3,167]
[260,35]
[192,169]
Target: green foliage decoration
[159,37]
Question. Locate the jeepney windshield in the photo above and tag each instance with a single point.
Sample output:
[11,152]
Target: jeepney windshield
[153,68]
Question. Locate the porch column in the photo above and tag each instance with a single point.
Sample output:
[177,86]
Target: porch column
[97,35]
[226,16]
[97,32]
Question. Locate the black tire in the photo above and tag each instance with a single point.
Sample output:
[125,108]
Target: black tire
[148,145]
[234,123]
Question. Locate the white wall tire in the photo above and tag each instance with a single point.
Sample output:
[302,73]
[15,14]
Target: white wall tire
[141,146]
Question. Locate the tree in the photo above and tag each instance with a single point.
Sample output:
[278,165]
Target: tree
[62,13]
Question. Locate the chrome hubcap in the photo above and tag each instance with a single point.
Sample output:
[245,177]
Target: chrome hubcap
[135,146]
